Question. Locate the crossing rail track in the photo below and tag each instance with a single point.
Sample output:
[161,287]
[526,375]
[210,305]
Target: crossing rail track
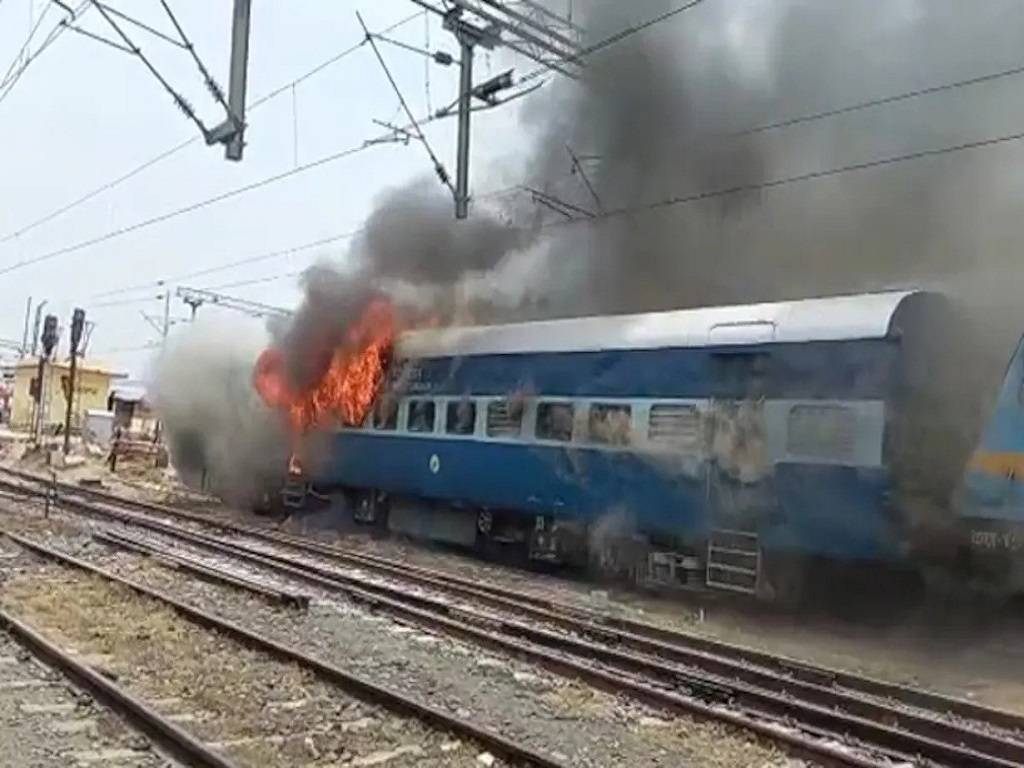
[827,715]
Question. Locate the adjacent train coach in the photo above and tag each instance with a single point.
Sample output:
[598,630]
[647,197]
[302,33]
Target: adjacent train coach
[708,447]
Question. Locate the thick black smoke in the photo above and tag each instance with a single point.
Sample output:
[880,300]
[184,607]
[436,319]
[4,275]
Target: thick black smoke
[665,114]
[661,111]
[662,115]
[413,252]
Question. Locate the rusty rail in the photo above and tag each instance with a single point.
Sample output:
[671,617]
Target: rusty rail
[177,742]
[202,570]
[939,739]
[354,684]
[642,636]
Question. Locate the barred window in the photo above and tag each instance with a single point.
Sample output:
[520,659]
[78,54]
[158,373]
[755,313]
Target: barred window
[821,432]
[421,415]
[504,418]
[610,424]
[461,418]
[675,425]
[554,421]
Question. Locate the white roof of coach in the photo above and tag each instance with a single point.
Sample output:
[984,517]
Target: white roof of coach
[860,316]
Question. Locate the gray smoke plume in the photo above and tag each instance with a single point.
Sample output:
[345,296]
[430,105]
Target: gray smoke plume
[220,434]
[411,250]
[663,110]
[664,114]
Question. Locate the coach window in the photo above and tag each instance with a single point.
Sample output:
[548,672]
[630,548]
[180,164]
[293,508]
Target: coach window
[554,421]
[504,418]
[461,417]
[610,424]
[825,432]
[385,413]
[421,415]
[675,425]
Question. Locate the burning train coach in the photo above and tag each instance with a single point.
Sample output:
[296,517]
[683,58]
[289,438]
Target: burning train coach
[727,447]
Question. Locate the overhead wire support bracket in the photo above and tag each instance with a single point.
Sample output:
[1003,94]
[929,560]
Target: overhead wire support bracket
[443,58]
[98,38]
[439,168]
[490,23]
[179,100]
[135,22]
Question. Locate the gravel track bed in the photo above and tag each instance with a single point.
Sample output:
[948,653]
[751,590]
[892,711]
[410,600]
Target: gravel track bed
[569,720]
[547,586]
[954,652]
[259,711]
[458,601]
[46,721]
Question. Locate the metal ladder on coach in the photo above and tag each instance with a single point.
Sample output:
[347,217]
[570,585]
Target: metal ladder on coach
[733,561]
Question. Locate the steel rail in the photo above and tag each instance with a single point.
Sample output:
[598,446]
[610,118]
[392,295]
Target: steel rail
[358,686]
[203,570]
[704,700]
[878,726]
[166,734]
[627,628]
[934,736]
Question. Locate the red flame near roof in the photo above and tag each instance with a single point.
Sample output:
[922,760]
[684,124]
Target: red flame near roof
[348,387]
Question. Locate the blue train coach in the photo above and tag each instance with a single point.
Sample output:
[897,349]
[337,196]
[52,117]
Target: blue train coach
[718,447]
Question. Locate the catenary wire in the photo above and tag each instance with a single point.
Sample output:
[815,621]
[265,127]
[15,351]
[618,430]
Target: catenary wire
[114,183]
[191,208]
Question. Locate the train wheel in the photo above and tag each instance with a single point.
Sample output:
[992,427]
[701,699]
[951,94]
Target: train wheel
[369,508]
[485,522]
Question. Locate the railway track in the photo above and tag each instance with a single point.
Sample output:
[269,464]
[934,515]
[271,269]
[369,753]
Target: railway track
[831,716]
[343,718]
[56,710]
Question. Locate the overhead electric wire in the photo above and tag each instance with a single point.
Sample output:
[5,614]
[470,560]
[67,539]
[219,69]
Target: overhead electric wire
[254,280]
[211,85]
[16,72]
[232,264]
[123,302]
[192,140]
[25,45]
[192,207]
[439,168]
[153,31]
[613,39]
[788,180]
[179,100]
[856,107]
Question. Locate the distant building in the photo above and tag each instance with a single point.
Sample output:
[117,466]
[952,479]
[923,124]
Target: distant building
[92,388]
[132,411]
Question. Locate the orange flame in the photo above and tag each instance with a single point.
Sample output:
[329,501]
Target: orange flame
[346,391]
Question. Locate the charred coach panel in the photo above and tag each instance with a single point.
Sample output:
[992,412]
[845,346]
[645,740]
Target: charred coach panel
[787,427]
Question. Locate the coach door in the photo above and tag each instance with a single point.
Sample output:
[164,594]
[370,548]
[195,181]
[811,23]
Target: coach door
[741,494]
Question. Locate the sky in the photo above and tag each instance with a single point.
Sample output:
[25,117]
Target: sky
[84,113]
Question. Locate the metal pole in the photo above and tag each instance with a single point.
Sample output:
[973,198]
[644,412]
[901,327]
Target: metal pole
[71,401]
[77,326]
[167,312]
[37,419]
[24,335]
[35,327]
[465,107]
[236,86]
